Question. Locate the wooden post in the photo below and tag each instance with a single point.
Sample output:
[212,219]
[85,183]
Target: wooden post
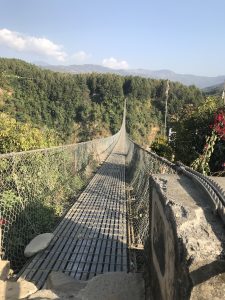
[166,107]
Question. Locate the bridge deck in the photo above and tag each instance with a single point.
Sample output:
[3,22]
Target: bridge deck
[92,238]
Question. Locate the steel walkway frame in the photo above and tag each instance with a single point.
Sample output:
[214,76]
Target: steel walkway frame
[92,237]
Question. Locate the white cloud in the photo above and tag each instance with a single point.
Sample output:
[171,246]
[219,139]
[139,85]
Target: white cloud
[81,56]
[30,44]
[114,63]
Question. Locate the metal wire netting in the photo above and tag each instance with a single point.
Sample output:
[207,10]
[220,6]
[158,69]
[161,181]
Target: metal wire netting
[38,186]
[139,165]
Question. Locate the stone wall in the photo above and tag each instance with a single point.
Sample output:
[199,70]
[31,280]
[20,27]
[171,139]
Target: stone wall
[185,247]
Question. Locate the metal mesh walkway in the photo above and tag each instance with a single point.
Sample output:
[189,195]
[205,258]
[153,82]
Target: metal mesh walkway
[92,237]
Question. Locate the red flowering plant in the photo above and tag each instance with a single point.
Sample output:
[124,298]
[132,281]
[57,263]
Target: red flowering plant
[3,222]
[219,124]
[201,164]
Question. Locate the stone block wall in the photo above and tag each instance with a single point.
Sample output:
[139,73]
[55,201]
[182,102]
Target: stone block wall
[185,249]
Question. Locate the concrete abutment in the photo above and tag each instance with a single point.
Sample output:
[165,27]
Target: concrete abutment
[185,249]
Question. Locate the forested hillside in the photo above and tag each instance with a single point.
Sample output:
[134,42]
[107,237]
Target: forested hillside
[82,107]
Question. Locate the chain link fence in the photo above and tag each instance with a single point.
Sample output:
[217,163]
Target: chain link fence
[37,187]
[139,165]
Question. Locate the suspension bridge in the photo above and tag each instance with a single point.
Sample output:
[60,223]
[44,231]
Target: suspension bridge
[110,224]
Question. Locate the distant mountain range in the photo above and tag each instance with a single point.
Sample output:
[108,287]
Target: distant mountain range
[214,89]
[187,79]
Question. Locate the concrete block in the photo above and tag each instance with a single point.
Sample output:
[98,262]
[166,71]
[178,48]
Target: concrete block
[4,269]
[59,281]
[44,294]
[10,290]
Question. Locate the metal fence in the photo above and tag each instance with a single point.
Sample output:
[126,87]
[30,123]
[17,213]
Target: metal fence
[139,165]
[38,186]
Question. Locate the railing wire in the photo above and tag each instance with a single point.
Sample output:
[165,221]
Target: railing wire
[139,165]
[38,186]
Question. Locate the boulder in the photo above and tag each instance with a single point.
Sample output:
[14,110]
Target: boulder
[12,290]
[44,294]
[39,243]
[208,279]
[110,286]
[58,281]
[114,286]
[4,269]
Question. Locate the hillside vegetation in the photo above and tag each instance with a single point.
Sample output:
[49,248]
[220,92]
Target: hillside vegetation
[68,108]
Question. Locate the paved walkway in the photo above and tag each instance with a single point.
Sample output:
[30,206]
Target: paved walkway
[92,238]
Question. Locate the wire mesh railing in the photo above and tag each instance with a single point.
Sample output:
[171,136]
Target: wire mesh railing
[140,164]
[38,186]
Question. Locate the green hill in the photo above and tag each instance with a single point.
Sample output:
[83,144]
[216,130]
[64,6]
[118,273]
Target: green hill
[87,106]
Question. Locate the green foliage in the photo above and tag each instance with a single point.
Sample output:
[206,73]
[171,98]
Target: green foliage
[195,142]
[10,199]
[161,147]
[37,187]
[192,128]
[217,136]
[201,164]
[86,106]
[180,96]
[16,136]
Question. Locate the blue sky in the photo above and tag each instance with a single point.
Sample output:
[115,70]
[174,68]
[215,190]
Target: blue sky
[186,36]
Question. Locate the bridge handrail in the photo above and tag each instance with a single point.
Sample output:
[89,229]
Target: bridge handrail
[36,185]
[139,186]
[140,164]
[213,189]
[162,159]
[5,155]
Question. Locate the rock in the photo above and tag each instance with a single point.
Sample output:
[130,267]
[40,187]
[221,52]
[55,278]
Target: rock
[39,243]
[89,171]
[213,288]
[110,286]
[114,286]
[44,294]
[197,237]
[4,269]
[208,279]
[10,290]
[58,281]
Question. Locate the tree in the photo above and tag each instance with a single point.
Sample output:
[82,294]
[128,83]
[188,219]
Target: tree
[88,103]
[201,164]
[16,136]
